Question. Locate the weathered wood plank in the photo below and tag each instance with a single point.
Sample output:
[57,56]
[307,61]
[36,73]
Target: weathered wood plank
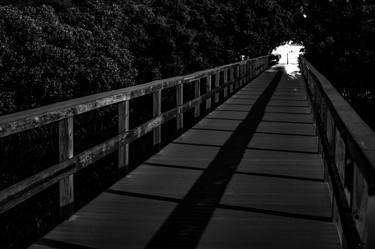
[231,229]
[123,126]
[217,82]
[277,142]
[270,193]
[231,79]
[25,120]
[209,83]
[225,90]
[156,113]
[197,93]
[344,114]
[287,128]
[180,103]
[66,187]
[29,187]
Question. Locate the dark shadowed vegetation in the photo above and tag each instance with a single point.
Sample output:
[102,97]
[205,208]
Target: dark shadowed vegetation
[339,37]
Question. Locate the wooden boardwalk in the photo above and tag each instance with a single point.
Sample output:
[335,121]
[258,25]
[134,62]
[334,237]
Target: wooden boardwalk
[248,175]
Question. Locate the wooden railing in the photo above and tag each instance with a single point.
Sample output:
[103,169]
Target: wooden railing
[348,146]
[233,77]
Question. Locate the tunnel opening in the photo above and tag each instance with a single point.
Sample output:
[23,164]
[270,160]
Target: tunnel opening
[289,52]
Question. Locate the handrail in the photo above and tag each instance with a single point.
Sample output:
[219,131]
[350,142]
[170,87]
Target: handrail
[234,76]
[349,150]
[24,120]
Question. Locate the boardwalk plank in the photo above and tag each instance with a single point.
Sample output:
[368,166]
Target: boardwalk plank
[238,230]
[278,142]
[285,117]
[227,115]
[303,165]
[287,128]
[158,181]
[292,196]
[288,103]
[184,155]
[204,137]
[297,110]
[214,124]
[110,222]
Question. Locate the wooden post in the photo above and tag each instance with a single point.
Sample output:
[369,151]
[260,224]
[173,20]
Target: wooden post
[208,91]
[252,70]
[247,71]
[123,126]
[66,185]
[156,112]
[225,81]
[230,74]
[197,93]
[242,75]
[180,103]
[216,86]
[235,85]
[238,76]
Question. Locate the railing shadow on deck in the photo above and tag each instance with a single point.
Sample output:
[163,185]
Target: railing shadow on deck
[220,83]
[348,147]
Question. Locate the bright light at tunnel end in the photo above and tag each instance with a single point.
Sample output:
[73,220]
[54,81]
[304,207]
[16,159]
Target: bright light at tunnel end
[289,53]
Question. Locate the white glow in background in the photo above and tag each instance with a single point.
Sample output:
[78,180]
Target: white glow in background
[289,53]
[289,57]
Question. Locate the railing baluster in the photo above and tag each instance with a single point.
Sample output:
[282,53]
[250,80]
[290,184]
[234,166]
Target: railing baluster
[252,69]
[238,76]
[248,69]
[216,86]
[66,185]
[209,80]
[156,112]
[123,126]
[232,84]
[241,75]
[225,81]
[180,102]
[235,83]
[197,94]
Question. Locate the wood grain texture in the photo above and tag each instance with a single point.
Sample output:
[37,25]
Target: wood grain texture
[66,185]
[156,106]
[180,103]
[123,126]
[197,94]
[209,83]
[240,229]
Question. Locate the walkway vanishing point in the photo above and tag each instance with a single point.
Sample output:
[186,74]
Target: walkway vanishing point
[275,166]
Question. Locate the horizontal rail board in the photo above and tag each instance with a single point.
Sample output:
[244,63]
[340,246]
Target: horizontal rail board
[362,135]
[348,145]
[27,188]
[29,119]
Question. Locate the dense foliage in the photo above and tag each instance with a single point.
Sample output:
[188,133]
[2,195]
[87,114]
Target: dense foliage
[339,37]
[55,50]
